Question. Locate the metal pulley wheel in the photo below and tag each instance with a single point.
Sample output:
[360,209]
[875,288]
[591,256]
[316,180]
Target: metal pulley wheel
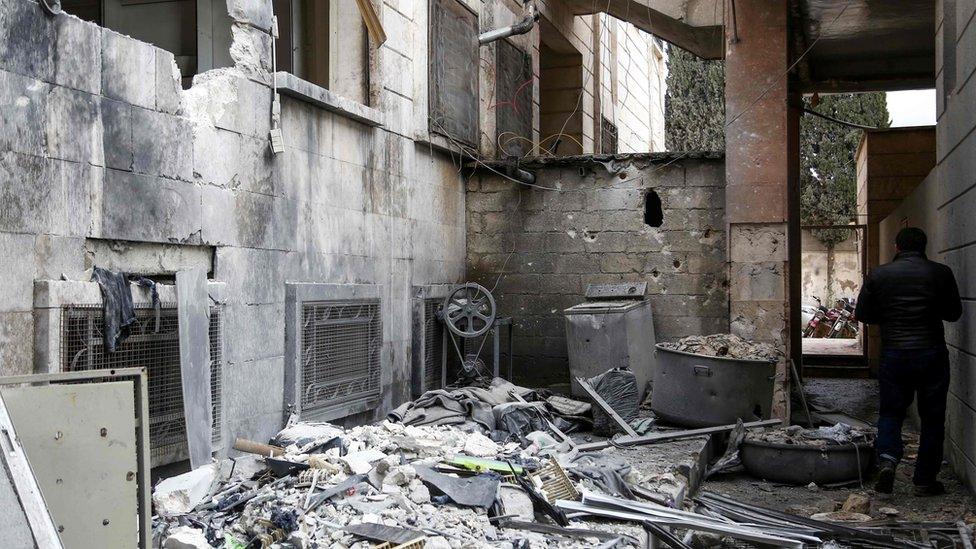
[469,310]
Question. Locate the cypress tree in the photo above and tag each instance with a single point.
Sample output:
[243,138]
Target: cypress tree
[695,119]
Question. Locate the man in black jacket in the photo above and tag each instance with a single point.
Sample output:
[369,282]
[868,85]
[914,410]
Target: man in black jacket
[910,298]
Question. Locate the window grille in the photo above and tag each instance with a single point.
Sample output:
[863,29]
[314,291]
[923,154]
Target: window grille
[340,353]
[82,348]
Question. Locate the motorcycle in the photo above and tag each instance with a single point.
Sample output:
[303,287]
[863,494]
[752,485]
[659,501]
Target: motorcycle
[845,324]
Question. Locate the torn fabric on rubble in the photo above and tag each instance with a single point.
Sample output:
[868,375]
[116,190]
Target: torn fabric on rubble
[515,420]
[118,312]
[606,471]
[456,406]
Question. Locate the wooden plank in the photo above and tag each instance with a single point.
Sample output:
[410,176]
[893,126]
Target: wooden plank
[598,400]
[193,312]
[669,436]
[373,24]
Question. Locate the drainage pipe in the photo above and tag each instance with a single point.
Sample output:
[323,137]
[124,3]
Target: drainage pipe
[529,17]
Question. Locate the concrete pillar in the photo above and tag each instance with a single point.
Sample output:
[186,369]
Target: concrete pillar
[762,157]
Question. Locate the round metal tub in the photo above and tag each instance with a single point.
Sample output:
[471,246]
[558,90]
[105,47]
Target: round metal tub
[795,464]
[702,391]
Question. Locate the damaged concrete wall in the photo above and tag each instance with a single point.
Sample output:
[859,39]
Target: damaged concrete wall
[549,244]
[943,205]
[829,273]
[105,160]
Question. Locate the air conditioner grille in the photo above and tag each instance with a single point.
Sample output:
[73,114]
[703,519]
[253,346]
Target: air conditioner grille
[341,345]
[82,348]
[433,344]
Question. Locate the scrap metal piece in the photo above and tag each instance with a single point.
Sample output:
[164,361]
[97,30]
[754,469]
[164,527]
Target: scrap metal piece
[598,400]
[669,436]
[543,528]
[553,482]
[13,461]
[193,310]
[476,491]
[700,523]
[381,532]
[659,532]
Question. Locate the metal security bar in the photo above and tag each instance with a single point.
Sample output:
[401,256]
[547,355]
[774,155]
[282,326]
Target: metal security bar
[433,344]
[158,350]
[341,344]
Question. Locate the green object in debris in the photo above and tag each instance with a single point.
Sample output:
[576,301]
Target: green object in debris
[230,542]
[481,464]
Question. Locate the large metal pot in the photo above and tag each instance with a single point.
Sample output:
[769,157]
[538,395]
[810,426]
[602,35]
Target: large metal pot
[800,464]
[701,391]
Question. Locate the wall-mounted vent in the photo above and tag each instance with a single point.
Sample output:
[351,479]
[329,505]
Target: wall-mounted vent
[428,343]
[334,349]
[82,347]
[341,350]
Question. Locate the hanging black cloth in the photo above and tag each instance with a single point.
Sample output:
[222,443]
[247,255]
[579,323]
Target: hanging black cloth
[118,311]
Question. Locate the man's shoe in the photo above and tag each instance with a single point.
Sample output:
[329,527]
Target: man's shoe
[931,489]
[886,477]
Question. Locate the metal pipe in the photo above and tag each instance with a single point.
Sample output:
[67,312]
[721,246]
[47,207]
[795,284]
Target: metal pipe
[530,16]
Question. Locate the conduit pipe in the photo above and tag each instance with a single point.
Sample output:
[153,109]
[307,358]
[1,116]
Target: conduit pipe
[529,16]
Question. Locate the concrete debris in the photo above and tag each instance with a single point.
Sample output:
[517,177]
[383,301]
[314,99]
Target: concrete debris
[185,537]
[888,511]
[839,434]
[857,503]
[726,345]
[180,494]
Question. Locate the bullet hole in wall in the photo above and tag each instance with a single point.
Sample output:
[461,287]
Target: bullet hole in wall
[653,212]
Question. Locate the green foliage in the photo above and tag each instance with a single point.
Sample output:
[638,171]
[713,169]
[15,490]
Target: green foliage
[695,119]
[828,178]
[694,103]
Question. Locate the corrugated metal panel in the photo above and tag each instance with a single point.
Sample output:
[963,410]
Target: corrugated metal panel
[341,345]
[453,81]
[513,100]
[82,348]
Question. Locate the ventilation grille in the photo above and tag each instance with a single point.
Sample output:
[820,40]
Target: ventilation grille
[433,344]
[82,348]
[341,344]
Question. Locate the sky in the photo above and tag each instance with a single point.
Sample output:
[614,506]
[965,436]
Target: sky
[911,108]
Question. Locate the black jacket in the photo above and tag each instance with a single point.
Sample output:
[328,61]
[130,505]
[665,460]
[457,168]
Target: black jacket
[909,298]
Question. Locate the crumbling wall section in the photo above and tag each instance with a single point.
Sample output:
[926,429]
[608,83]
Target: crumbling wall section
[540,246]
[104,159]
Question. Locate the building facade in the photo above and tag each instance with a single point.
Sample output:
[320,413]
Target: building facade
[136,137]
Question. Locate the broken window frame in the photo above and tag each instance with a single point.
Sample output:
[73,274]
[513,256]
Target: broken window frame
[325,69]
[437,130]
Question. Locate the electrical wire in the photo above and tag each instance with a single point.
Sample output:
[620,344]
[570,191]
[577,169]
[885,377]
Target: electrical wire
[839,121]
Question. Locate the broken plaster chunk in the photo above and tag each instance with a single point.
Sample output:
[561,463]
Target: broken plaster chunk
[359,463]
[419,493]
[185,537]
[479,445]
[400,475]
[180,494]
[436,542]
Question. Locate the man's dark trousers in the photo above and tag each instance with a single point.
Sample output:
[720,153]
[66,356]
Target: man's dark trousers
[903,373]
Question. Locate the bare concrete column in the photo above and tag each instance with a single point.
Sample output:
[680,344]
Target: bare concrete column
[760,143]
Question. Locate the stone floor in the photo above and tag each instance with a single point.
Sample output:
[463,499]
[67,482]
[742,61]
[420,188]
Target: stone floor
[822,346]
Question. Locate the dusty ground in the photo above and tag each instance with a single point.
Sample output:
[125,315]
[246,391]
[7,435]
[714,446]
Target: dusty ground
[859,398]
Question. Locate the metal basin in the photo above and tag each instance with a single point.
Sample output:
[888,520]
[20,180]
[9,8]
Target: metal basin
[795,464]
[702,391]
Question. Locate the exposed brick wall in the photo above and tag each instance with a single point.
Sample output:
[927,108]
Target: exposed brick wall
[593,231]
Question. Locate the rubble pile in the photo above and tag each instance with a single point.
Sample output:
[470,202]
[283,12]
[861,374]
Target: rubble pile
[726,345]
[821,437]
[444,478]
